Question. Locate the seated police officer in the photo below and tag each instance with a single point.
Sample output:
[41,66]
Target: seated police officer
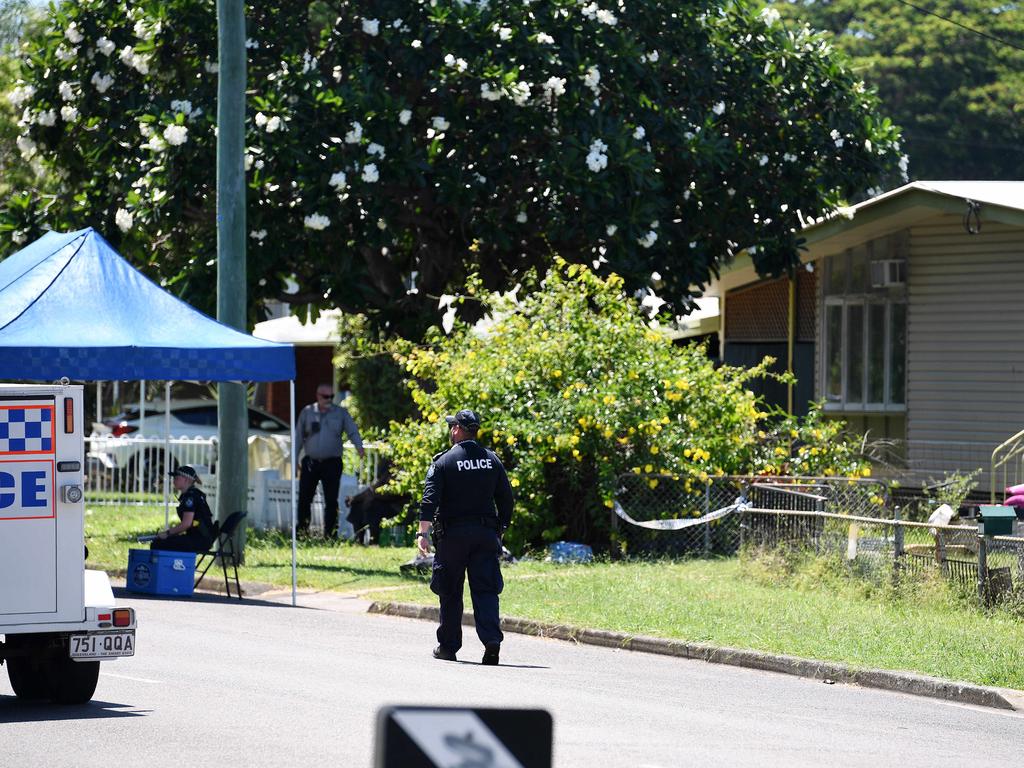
[195,531]
[464,485]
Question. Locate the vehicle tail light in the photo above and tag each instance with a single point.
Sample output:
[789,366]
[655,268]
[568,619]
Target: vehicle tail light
[103,617]
[124,428]
[123,617]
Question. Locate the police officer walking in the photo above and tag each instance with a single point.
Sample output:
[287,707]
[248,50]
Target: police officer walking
[468,499]
[321,429]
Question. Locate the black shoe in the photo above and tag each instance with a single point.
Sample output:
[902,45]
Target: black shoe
[444,654]
[491,651]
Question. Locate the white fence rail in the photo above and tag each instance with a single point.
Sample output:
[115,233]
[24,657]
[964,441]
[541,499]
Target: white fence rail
[131,470]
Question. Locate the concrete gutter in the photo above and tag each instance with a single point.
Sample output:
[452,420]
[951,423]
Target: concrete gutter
[883,679]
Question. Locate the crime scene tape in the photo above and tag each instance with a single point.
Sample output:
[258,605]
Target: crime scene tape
[681,524]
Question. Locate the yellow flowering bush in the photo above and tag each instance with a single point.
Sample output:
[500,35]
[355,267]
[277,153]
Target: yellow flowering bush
[574,390]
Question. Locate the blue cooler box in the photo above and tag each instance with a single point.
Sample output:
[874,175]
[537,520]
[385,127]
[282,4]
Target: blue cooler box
[158,572]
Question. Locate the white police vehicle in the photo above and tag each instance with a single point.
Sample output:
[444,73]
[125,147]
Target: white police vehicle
[57,619]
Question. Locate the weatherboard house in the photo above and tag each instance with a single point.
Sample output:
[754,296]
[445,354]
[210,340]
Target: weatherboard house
[906,320]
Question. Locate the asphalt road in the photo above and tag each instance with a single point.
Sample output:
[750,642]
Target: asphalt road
[216,682]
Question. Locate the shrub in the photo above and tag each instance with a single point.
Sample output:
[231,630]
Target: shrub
[575,389]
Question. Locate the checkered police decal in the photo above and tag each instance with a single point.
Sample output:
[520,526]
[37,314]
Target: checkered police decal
[26,429]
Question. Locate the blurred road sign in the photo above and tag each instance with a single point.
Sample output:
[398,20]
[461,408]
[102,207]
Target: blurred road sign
[440,737]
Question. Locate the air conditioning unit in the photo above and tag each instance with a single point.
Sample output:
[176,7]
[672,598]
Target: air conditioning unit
[886,273]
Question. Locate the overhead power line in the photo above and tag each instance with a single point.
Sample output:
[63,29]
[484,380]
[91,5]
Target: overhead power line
[972,30]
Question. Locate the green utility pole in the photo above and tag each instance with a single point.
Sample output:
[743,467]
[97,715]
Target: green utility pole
[232,460]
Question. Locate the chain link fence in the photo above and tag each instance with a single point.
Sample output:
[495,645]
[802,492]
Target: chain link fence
[855,520]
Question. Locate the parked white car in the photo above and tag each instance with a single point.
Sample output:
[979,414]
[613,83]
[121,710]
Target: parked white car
[126,446]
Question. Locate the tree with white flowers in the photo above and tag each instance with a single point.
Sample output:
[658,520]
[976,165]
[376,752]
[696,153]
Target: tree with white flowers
[396,146]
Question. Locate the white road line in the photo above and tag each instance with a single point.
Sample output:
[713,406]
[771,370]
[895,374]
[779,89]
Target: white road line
[129,677]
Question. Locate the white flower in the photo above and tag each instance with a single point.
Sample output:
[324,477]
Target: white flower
[144,31]
[597,160]
[355,135]
[371,27]
[316,221]
[652,56]
[258,234]
[211,67]
[19,236]
[769,16]
[175,135]
[20,94]
[63,53]
[867,144]
[489,94]
[182,105]
[553,87]
[416,43]
[448,319]
[247,162]
[47,117]
[26,146]
[762,160]
[405,116]
[649,239]
[611,229]
[336,74]
[105,46]
[72,34]
[273,124]
[639,133]
[102,82]
[440,124]
[146,129]
[592,78]
[789,158]
[251,44]
[260,120]
[607,17]
[375,149]
[66,91]
[521,217]
[381,224]
[125,54]
[338,180]
[370,173]
[124,219]
[904,163]
[545,39]
[520,93]
[719,108]
[68,113]
[504,33]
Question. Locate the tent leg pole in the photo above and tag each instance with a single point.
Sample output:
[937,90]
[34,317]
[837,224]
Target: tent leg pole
[141,462]
[295,508]
[167,454]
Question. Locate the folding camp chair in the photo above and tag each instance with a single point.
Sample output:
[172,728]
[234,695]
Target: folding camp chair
[223,547]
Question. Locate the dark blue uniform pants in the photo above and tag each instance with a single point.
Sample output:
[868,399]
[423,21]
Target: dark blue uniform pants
[477,550]
[328,472]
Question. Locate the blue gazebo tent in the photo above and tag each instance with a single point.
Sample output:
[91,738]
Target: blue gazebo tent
[71,306]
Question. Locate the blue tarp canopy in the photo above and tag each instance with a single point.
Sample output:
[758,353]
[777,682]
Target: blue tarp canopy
[70,305]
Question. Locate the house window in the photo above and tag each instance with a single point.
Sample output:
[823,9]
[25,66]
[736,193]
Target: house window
[865,327]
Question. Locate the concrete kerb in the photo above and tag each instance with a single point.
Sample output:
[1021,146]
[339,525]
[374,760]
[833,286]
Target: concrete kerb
[889,680]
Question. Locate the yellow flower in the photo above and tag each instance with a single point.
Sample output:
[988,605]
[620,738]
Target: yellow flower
[514,482]
[609,399]
[609,503]
[574,440]
[664,419]
[682,384]
[866,472]
[649,468]
[511,440]
[652,484]
[794,433]
[687,453]
[557,373]
[780,451]
[633,376]
[622,440]
[608,433]
[636,470]
[654,449]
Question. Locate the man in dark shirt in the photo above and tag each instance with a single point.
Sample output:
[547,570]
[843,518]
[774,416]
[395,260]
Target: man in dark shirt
[468,498]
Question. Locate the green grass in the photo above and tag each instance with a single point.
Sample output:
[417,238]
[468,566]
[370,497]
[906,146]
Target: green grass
[803,607]
[735,603]
[110,532]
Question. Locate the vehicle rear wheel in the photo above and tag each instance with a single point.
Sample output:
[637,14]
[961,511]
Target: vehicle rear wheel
[72,682]
[26,669]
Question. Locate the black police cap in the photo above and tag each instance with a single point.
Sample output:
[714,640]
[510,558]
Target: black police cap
[185,471]
[465,418]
